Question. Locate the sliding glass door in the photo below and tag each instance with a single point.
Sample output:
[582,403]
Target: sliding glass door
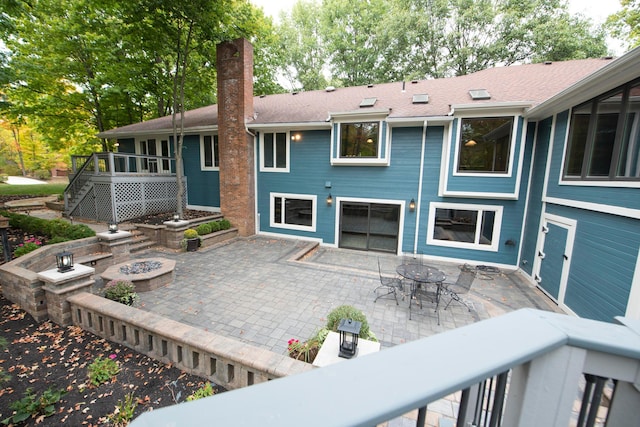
[369,226]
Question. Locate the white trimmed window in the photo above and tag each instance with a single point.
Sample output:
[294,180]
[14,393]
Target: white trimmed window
[209,153]
[293,211]
[158,151]
[464,226]
[274,152]
[485,145]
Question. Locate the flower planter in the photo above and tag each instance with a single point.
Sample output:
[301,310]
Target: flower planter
[193,244]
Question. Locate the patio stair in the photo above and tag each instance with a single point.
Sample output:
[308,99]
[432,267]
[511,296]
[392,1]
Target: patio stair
[141,242]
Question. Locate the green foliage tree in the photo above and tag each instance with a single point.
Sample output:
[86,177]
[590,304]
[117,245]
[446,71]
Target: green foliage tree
[626,23]
[390,40]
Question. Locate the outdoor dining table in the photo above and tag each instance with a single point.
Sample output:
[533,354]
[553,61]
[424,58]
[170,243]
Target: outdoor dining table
[421,276]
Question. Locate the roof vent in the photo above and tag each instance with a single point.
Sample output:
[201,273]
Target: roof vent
[368,102]
[263,95]
[294,93]
[413,82]
[330,89]
[479,94]
[548,62]
[370,85]
[420,98]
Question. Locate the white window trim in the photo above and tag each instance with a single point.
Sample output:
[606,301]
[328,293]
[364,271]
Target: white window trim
[158,139]
[288,152]
[314,211]
[588,182]
[512,147]
[360,117]
[497,226]
[202,165]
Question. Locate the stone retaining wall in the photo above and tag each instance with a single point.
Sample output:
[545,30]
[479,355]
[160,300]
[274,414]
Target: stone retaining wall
[224,361]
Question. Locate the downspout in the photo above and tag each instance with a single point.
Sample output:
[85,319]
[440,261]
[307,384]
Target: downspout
[419,201]
[256,169]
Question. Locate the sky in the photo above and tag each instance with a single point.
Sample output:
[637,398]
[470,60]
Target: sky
[597,10]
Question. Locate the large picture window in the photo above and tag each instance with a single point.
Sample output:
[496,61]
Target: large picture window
[465,226]
[293,211]
[485,144]
[359,139]
[209,152]
[274,153]
[604,137]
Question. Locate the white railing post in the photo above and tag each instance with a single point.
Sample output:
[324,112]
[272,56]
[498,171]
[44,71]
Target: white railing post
[550,382]
[624,405]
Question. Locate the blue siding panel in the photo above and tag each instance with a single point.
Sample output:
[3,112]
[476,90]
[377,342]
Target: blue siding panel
[611,196]
[203,187]
[603,263]
[534,210]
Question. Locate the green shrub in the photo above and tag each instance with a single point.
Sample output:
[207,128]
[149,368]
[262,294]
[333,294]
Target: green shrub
[124,411]
[224,224]
[56,228]
[215,226]
[42,174]
[32,405]
[203,229]
[204,391]
[190,233]
[349,312]
[102,370]
[122,291]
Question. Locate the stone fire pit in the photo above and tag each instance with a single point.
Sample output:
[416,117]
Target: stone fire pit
[146,274]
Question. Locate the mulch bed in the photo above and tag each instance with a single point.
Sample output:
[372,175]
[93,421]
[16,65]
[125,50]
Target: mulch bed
[42,356]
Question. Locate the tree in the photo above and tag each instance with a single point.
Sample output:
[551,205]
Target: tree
[301,42]
[626,23]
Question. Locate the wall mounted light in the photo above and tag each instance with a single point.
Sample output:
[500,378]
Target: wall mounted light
[510,242]
[470,143]
[369,140]
[64,260]
[296,137]
[412,205]
[329,200]
[113,227]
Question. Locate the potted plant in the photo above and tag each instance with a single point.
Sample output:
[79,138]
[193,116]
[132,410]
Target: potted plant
[191,240]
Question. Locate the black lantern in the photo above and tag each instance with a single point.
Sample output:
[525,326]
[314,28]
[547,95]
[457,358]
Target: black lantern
[329,200]
[176,217]
[412,205]
[64,261]
[349,330]
[113,227]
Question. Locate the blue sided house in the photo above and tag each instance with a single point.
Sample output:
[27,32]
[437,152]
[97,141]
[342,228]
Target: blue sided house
[533,167]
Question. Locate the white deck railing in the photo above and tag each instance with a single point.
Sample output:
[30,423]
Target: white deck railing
[545,356]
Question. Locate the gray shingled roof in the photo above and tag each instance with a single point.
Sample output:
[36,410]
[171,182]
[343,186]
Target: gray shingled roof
[532,83]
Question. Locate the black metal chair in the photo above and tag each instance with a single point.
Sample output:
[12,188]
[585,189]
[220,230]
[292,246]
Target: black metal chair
[389,284]
[461,286]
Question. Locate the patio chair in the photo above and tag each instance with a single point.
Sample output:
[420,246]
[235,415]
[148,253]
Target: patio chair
[461,286]
[389,284]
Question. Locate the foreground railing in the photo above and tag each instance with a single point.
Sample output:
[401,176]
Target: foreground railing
[536,362]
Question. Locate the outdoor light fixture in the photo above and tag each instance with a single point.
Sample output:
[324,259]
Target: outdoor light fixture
[470,143]
[510,242]
[329,200]
[412,205]
[176,217]
[349,330]
[113,227]
[296,137]
[64,261]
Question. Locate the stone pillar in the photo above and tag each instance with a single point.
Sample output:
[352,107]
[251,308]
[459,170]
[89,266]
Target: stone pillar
[117,243]
[59,286]
[236,152]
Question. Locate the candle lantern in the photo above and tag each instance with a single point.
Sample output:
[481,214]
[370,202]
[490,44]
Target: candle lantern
[349,330]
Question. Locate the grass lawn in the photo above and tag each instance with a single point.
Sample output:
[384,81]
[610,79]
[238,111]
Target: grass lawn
[32,190]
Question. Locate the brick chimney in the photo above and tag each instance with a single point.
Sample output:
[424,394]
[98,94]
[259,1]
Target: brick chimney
[235,144]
